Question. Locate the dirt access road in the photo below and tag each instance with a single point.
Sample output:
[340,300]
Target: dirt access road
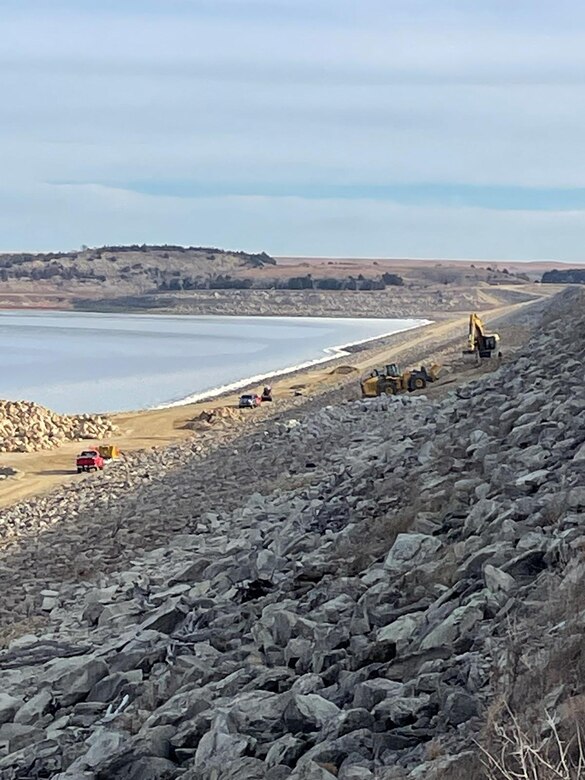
[42,471]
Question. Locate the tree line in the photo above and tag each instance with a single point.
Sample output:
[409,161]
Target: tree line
[570,276]
[227,282]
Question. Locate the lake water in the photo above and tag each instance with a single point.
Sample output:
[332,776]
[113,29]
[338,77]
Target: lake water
[82,362]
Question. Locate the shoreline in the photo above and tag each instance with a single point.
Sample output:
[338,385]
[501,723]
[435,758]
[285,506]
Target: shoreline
[151,429]
[155,429]
[185,396]
[337,351]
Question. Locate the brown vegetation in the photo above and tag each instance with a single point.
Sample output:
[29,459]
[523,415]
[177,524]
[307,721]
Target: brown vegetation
[163,277]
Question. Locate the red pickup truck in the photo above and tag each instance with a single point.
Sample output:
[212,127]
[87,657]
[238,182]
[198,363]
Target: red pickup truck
[88,460]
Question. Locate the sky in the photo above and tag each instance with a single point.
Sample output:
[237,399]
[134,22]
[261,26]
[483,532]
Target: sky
[387,128]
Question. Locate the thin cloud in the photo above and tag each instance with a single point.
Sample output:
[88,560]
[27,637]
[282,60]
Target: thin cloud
[350,107]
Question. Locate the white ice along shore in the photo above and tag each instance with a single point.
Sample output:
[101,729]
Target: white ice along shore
[333,353]
[99,363]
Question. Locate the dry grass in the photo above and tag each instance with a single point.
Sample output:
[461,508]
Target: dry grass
[29,625]
[543,754]
[546,651]
[541,669]
[433,750]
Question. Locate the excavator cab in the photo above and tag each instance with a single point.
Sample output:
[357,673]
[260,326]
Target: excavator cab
[490,344]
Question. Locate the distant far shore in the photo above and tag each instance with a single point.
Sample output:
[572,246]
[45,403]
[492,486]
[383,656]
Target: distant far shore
[209,280]
[420,301]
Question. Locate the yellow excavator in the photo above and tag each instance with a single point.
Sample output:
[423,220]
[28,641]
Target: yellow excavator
[391,380]
[479,343]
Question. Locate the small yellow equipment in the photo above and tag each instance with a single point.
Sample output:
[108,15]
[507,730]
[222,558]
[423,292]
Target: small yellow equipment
[109,451]
[391,381]
[480,344]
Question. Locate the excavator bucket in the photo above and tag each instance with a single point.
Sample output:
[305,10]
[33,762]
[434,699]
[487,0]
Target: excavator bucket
[471,356]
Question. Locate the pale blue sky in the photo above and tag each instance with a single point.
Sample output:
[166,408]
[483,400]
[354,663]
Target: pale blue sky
[425,128]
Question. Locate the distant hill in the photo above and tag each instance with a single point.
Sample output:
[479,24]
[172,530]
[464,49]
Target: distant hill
[129,272]
[176,278]
[128,269]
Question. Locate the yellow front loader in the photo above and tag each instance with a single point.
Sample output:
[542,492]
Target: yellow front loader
[109,451]
[391,381]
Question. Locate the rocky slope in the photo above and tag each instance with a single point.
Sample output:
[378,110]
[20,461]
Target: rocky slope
[28,427]
[427,301]
[347,594]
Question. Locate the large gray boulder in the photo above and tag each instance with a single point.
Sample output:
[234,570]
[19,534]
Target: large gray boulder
[308,712]
[312,770]
[15,736]
[166,617]
[35,707]
[286,750]
[460,622]
[369,693]
[458,707]
[101,747]
[401,710]
[576,497]
[8,706]
[409,551]
[79,677]
[148,768]
[498,581]
[258,713]
[400,631]
[220,747]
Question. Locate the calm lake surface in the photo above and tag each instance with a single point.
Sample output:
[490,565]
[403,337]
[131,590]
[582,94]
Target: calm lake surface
[73,362]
